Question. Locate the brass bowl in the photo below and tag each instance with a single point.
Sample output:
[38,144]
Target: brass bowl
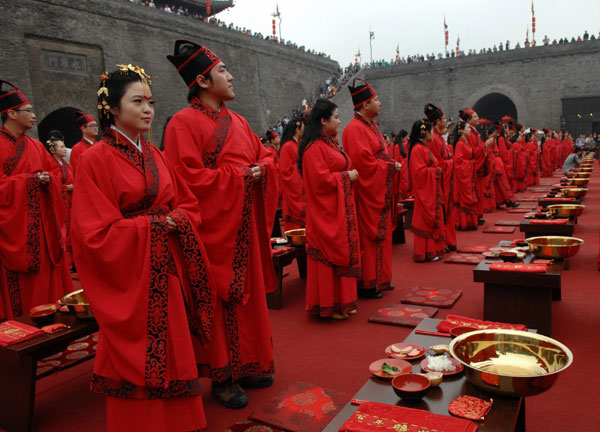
[579,181]
[585,169]
[511,362]
[296,237]
[78,305]
[554,246]
[566,210]
[573,192]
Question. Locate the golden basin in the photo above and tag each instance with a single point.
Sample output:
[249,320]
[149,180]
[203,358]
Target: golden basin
[573,192]
[554,246]
[584,175]
[511,362]
[296,237]
[566,210]
[585,169]
[78,305]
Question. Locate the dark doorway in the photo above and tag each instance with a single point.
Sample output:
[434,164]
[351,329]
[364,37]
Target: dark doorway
[494,106]
[581,114]
[63,119]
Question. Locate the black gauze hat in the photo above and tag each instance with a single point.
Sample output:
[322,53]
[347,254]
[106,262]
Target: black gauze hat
[197,61]
[12,98]
[432,112]
[361,93]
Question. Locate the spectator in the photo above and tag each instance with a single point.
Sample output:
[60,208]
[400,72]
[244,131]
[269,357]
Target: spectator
[546,40]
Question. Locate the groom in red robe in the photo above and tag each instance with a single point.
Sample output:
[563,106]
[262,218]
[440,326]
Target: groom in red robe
[367,149]
[89,132]
[234,179]
[32,264]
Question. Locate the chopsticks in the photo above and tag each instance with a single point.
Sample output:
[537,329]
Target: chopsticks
[431,333]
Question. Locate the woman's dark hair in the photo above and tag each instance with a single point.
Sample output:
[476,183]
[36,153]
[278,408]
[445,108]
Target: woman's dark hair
[460,126]
[398,141]
[116,85]
[53,137]
[289,130]
[322,109]
[417,134]
[162,141]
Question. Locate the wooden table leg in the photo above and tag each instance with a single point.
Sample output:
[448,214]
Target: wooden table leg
[274,298]
[521,424]
[17,394]
[301,261]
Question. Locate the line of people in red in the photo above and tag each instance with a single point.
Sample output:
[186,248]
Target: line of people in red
[172,247]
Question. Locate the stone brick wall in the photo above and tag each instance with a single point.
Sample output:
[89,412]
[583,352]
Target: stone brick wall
[55,51]
[535,79]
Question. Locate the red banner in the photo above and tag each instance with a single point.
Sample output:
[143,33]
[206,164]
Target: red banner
[207,7]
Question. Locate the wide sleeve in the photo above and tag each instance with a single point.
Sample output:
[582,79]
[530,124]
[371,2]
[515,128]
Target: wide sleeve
[426,180]
[375,181]
[464,171]
[331,215]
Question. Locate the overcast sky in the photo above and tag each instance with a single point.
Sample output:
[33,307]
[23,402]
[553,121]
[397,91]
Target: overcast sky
[341,27]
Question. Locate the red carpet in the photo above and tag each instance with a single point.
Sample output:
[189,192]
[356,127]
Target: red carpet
[337,354]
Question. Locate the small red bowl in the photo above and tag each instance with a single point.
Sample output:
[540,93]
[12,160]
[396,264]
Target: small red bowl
[411,387]
[43,314]
[457,331]
[508,256]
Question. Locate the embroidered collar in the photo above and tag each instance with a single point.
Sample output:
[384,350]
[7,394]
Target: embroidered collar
[8,134]
[212,113]
[137,145]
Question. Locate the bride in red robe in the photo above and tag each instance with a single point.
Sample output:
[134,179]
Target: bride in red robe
[547,162]
[142,266]
[465,186]
[56,147]
[293,203]
[332,233]
[426,180]
[32,265]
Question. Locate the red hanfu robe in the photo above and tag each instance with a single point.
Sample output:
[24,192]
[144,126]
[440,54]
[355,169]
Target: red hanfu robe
[333,248]
[32,266]
[558,153]
[428,218]
[443,153]
[503,151]
[213,151]
[533,167]
[566,150]
[149,288]
[293,203]
[465,186]
[503,191]
[67,195]
[485,187]
[76,152]
[519,162]
[402,180]
[367,150]
[547,155]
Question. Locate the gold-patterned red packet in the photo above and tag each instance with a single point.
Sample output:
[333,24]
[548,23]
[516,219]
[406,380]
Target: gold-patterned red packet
[470,407]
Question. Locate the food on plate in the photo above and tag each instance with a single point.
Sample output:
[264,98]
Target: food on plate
[390,370]
[440,363]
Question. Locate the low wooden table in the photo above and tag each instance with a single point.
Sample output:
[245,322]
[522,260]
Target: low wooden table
[518,297]
[409,205]
[18,365]
[398,236]
[274,299]
[545,202]
[534,230]
[506,414]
